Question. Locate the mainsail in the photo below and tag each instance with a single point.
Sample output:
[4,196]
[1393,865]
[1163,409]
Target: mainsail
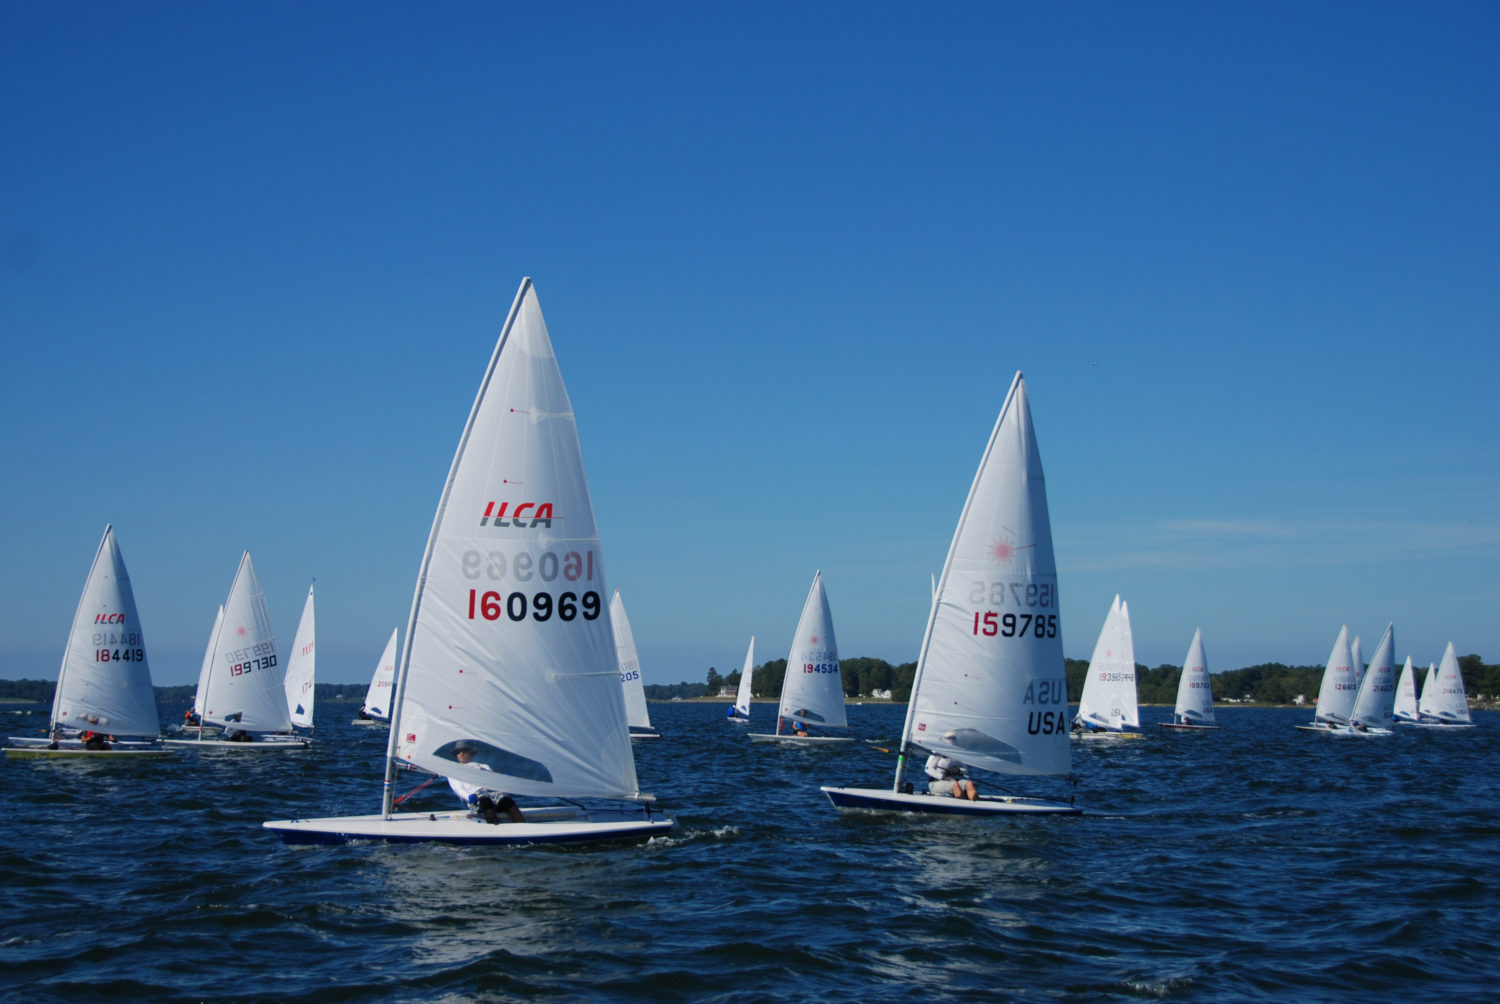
[634,688]
[1195,695]
[246,679]
[990,688]
[104,683]
[509,648]
[1108,698]
[813,689]
[301,668]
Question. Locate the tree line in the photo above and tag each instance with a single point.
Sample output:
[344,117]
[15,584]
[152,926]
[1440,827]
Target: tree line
[1266,683]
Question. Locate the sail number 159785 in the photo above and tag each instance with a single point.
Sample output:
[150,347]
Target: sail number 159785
[1009,625]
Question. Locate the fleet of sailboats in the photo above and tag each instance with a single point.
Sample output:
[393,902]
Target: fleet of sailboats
[1444,704]
[1107,707]
[242,685]
[812,692]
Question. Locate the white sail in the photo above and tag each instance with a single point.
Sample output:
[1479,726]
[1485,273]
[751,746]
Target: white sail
[742,697]
[1443,696]
[631,684]
[509,646]
[990,689]
[813,689]
[246,681]
[104,683]
[378,696]
[1195,694]
[1339,687]
[1376,698]
[1108,698]
[201,694]
[1405,709]
[301,668]
[1357,659]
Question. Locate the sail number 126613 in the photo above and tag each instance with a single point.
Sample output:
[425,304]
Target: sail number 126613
[492,606]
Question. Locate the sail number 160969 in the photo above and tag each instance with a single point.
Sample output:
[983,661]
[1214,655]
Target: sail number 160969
[491,606]
[1009,625]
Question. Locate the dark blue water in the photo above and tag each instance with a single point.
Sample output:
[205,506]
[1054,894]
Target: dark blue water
[1257,863]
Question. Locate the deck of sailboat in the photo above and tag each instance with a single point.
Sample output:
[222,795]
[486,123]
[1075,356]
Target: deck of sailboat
[258,745]
[1107,734]
[946,805]
[563,824]
[43,752]
[1186,727]
[787,737]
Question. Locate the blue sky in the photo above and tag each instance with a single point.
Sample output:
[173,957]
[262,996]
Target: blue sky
[254,258]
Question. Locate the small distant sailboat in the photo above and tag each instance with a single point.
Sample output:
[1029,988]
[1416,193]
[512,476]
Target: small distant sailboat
[104,682]
[1337,692]
[1195,694]
[1445,704]
[508,658]
[376,709]
[242,688]
[990,689]
[812,692]
[1405,711]
[637,716]
[1376,699]
[1107,707]
[739,711]
[301,668]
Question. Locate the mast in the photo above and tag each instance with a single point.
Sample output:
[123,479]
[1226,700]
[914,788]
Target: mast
[398,699]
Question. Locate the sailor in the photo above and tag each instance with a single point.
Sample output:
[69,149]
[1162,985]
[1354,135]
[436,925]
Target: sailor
[478,796]
[948,778]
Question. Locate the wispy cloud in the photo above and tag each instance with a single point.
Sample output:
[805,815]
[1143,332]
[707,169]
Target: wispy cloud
[1200,543]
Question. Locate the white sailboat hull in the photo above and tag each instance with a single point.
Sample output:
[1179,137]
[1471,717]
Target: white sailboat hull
[771,737]
[1107,734]
[944,805]
[1185,727]
[42,752]
[1320,727]
[1443,725]
[369,721]
[550,825]
[258,746]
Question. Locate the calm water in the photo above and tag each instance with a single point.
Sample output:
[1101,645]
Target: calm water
[1256,863]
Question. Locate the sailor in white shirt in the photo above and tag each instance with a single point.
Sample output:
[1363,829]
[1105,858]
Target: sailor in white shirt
[479,796]
[948,778]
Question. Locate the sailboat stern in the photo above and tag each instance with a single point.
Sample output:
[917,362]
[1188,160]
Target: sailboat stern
[884,799]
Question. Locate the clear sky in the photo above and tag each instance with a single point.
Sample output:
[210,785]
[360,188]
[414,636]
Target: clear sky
[254,258]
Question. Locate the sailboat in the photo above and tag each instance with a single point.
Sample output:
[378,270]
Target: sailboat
[1445,704]
[637,717]
[104,682]
[301,668]
[990,689]
[1337,692]
[1195,694]
[1108,704]
[739,711]
[812,692]
[508,652]
[376,708]
[1405,711]
[1376,698]
[242,688]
